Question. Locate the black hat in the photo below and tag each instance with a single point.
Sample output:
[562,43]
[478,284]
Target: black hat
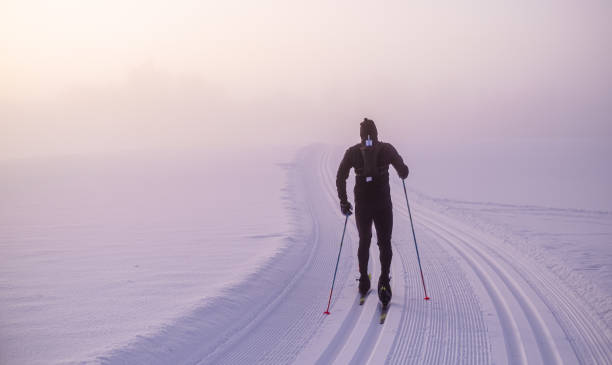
[368,128]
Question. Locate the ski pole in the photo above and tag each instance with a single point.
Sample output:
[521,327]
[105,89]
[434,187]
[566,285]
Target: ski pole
[415,241]
[336,270]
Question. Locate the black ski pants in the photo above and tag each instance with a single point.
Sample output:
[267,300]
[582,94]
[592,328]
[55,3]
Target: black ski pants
[382,217]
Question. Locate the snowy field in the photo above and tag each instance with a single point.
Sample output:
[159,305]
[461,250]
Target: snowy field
[177,259]
[97,251]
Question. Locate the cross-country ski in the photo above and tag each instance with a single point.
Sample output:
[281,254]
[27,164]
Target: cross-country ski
[384,309]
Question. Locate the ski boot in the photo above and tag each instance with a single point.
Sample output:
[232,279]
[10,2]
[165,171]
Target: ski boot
[384,290]
[364,285]
[364,288]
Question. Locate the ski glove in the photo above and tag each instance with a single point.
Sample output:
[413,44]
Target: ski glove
[346,208]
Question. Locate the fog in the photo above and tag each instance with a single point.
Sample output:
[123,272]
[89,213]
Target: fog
[94,77]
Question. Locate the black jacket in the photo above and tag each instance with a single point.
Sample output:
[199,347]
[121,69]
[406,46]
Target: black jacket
[378,190]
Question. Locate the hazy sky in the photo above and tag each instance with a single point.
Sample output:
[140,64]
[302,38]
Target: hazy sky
[79,76]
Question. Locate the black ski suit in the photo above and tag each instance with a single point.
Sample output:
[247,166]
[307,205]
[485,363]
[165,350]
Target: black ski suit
[372,201]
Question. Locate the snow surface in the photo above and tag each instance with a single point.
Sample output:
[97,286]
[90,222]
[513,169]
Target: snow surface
[228,260]
[97,251]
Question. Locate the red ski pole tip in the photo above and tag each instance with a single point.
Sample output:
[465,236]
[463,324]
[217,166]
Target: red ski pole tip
[426,298]
[326,312]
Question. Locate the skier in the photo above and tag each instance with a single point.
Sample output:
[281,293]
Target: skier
[371,159]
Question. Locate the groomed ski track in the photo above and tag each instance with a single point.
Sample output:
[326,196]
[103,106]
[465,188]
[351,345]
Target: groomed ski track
[488,303]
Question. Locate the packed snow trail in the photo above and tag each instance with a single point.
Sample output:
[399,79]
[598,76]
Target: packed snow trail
[489,302]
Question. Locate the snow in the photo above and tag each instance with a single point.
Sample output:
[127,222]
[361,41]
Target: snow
[212,257]
[97,250]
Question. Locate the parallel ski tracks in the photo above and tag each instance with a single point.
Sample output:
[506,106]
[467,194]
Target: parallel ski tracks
[548,307]
[515,343]
[585,341]
[448,328]
[515,350]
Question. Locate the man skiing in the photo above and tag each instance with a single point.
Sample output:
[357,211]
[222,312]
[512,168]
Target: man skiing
[371,159]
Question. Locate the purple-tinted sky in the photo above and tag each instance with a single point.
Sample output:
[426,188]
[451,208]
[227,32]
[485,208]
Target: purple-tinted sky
[78,76]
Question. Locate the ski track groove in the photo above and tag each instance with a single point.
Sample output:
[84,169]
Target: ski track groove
[515,350]
[422,340]
[598,344]
[547,347]
[415,347]
[401,331]
[512,335]
[595,349]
